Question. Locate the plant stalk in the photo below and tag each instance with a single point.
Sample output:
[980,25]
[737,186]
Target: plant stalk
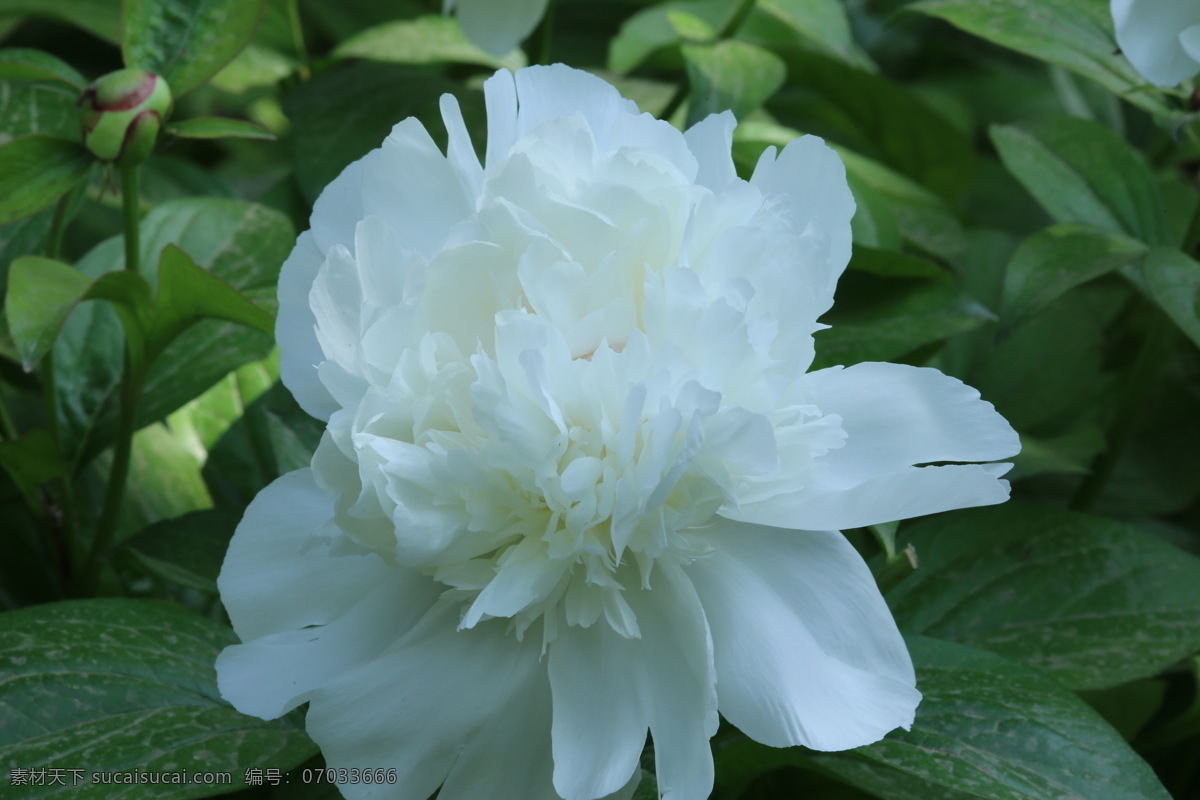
[131,389]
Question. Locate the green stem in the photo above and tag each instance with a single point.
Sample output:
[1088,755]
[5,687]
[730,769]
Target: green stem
[293,12]
[735,21]
[58,227]
[118,476]
[8,430]
[131,211]
[131,389]
[1140,387]
[544,34]
[1191,239]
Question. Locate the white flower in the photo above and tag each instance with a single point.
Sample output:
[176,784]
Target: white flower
[577,483]
[497,26]
[1161,38]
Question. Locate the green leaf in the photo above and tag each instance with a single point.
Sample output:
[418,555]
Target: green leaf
[1076,34]
[992,728]
[1080,171]
[32,461]
[37,170]
[1055,260]
[187,550]
[730,75]
[891,264]
[432,39]
[24,64]
[876,118]
[126,686]
[822,24]
[888,318]
[1173,280]
[241,243]
[188,293]
[342,114]
[99,17]
[1047,373]
[217,128]
[651,29]
[47,108]
[43,293]
[186,41]
[1092,601]
[254,67]
[273,437]
[1070,453]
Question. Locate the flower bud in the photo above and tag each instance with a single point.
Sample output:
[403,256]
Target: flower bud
[122,115]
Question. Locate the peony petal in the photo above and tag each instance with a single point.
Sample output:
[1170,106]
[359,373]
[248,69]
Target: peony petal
[548,93]
[678,674]
[810,178]
[900,495]
[600,714]
[497,28]
[295,328]
[278,574]
[711,141]
[500,102]
[425,703]
[806,650]
[459,150]
[270,676]
[413,188]
[896,416]
[1148,32]
[1189,40]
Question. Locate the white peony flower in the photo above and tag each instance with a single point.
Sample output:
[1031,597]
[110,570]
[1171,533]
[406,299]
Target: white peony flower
[577,483]
[1161,38]
[497,26]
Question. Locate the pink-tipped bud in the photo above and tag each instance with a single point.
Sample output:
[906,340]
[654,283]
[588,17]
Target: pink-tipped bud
[122,115]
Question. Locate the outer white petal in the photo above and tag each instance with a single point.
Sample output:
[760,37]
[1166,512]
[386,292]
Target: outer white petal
[1190,41]
[600,711]
[441,698]
[270,676]
[415,189]
[811,179]
[498,27]
[677,660]
[548,93]
[899,495]
[278,574]
[711,141]
[296,329]
[895,417]
[806,651]
[1149,33]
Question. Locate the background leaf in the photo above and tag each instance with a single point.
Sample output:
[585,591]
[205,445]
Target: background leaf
[243,244]
[37,170]
[1092,601]
[730,75]
[1053,261]
[424,40]
[126,685]
[1076,34]
[1080,171]
[187,549]
[186,41]
[217,128]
